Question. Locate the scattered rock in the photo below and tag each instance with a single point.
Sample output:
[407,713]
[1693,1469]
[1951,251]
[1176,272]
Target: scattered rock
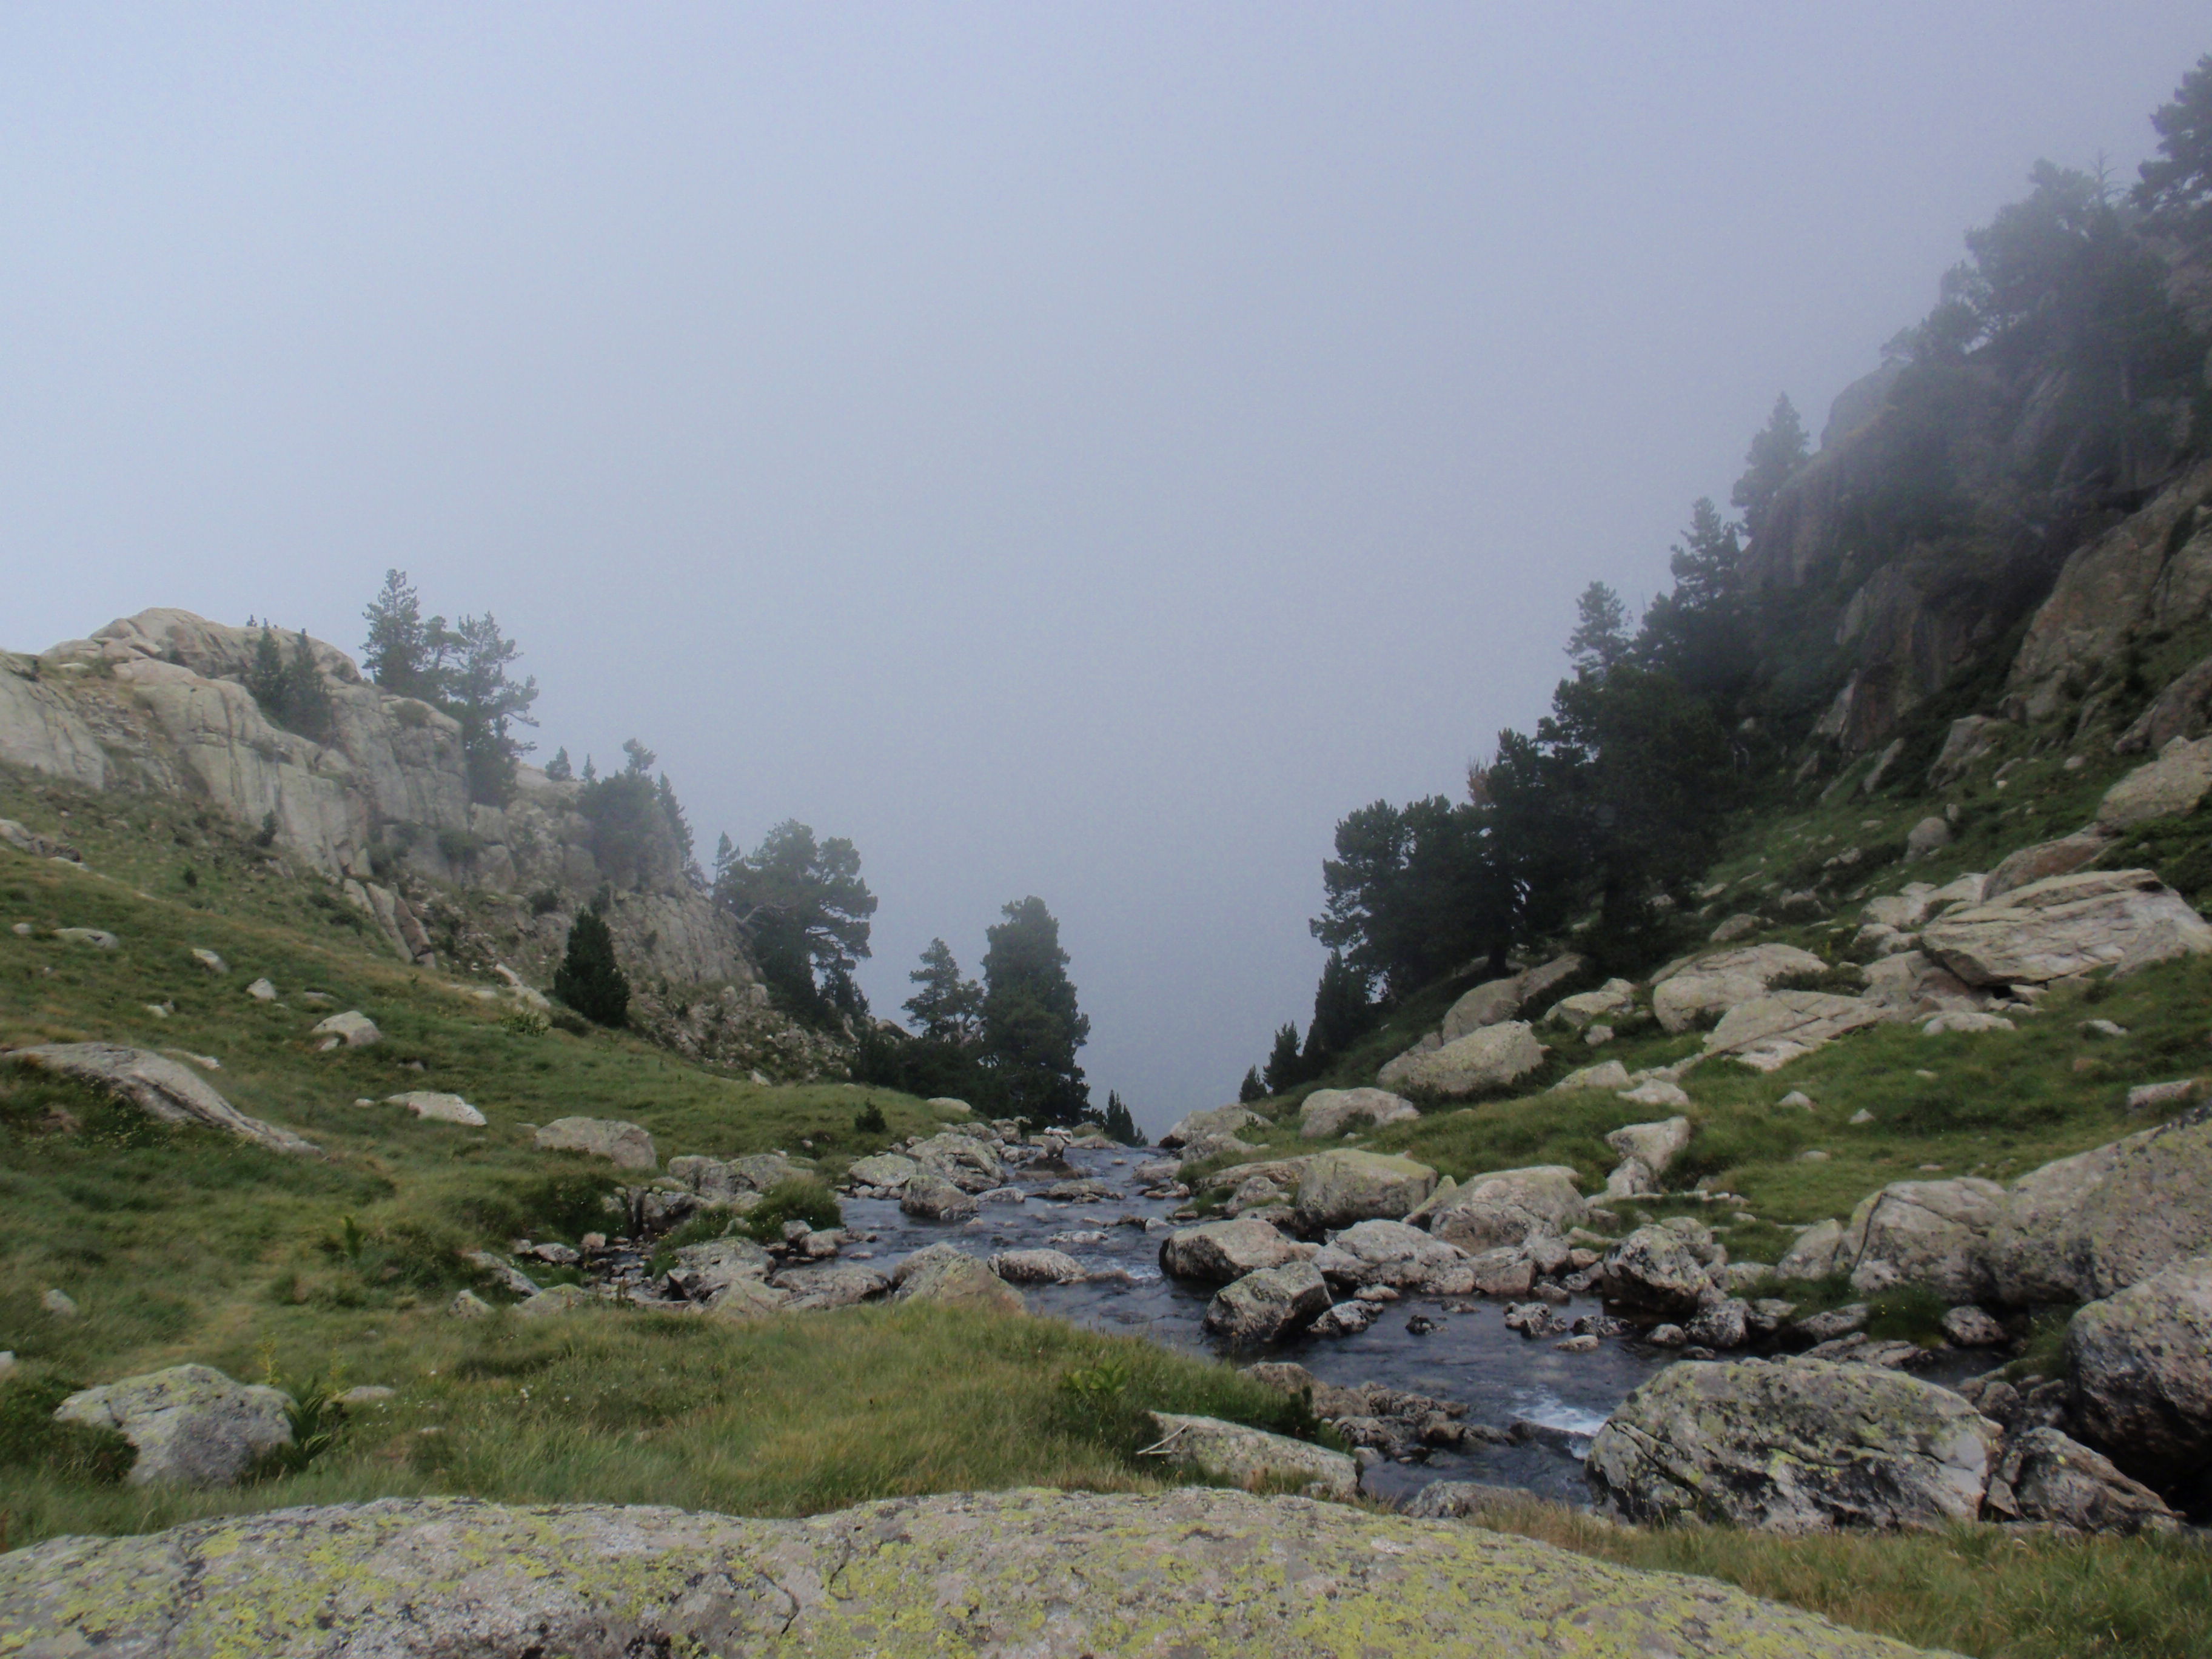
[1336,1188]
[1793,1448]
[837,1285]
[2162,1097]
[208,960]
[440,1107]
[1610,1001]
[1934,1233]
[156,1085]
[1222,1250]
[189,1423]
[2086,1226]
[99,939]
[1965,1019]
[1214,1121]
[1739,925]
[353,1030]
[930,1197]
[1656,1091]
[2167,787]
[1767,1032]
[2045,1477]
[1038,1267]
[2044,859]
[624,1145]
[554,1299]
[1493,1057]
[1930,835]
[468,1305]
[946,1273]
[1656,1270]
[1797,1099]
[59,1302]
[1971,1327]
[1500,1000]
[1611,1076]
[1271,1303]
[262,991]
[1506,1206]
[1686,992]
[1647,1150]
[1328,1112]
[890,1171]
[1390,1254]
[2139,1373]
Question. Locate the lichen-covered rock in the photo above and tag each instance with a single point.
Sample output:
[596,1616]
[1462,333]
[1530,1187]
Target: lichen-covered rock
[1707,986]
[2139,1374]
[2045,1476]
[625,1144]
[967,1163]
[1800,1447]
[1222,1250]
[2083,1227]
[1657,1270]
[1507,1206]
[1251,1457]
[1268,1305]
[946,1273]
[1332,1111]
[1493,1057]
[1337,1188]
[1037,1267]
[1646,1149]
[1934,1233]
[2121,920]
[189,1423]
[836,1285]
[157,1086]
[1391,1253]
[889,1170]
[1050,1575]
[704,1270]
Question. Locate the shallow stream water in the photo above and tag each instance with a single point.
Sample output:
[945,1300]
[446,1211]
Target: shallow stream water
[1472,1357]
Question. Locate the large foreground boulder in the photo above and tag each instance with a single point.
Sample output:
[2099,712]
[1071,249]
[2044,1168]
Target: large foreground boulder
[157,1086]
[2139,1373]
[1222,1250]
[1338,1189]
[1800,1447]
[2121,920]
[1050,1575]
[2086,1226]
[1491,1058]
[191,1424]
[1268,1305]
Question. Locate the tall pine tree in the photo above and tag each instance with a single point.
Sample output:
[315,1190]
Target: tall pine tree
[1032,1026]
[589,979]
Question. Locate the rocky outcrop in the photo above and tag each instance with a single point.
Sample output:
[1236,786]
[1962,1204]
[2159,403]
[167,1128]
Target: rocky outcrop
[2047,1478]
[190,1424]
[2139,1374]
[157,1086]
[2120,920]
[158,702]
[1706,987]
[1494,1057]
[1337,1188]
[2083,1227]
[1328,1112]
[1049,1574]
[1800,1447]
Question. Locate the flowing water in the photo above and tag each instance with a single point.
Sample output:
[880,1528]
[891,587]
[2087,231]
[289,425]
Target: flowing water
[1502,1375]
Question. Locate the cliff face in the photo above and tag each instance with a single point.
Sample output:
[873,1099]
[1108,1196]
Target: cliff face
[157,702]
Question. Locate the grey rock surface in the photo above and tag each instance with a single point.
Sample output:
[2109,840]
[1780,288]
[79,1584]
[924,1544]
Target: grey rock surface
[1222,1250]
[628,1146]
[2083,1227]
[2139,1374]
[190,1424]
[2121,920]
[157,1086]
[1267,1306]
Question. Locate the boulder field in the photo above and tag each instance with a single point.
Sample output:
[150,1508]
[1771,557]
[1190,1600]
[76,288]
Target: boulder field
[1049,1574]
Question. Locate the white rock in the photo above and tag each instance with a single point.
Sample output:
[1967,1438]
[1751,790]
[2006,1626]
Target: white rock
[440,1107]
[262,991]
[210,961]
[353,1029]
[1688,991]
[2121,920]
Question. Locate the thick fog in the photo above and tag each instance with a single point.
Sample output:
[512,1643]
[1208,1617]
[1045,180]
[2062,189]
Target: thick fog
[1075,450]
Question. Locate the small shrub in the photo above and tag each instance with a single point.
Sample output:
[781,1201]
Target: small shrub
[800,1198]
[870,1121]
[569,1020]
[315,1416]
[266,835]
[527,1021]
[460,847]
[545,901]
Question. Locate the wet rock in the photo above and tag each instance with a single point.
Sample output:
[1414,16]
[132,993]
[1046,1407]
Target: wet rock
[1269,1304]
[189,1423]
[1656,1270]
[2139,1374]
[1793,1448]
[1037,1267]
[930,1197]
[2043,1476]
[889,1171]
[624,1145]
[1222,1250]
[1346,1319]
[1723,1325]
[967,1162]
[1337,1188]
[1392,1254]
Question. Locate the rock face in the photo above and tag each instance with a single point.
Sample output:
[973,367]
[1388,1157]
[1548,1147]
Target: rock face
[157,1086]
[1508,1208]
[1222,1250]
[625,1144]
[167,710]
[1332,1111]
[1047,1574]
[2116,919]
[1707,986]
[1337,1188]
[1490,1058]
[1925,1232]
[2139,1373]
[1800,1447]
[190,1424]
[1271,1303]
[2086,1226]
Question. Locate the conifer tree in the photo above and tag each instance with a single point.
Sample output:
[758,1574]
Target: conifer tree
[1119,1126]
[398,653]
[1251,1089]
[589,979]
[557,770]
[1600,635]
[1779,450]
[305,698]
[266,677]
[1285,1066]
[1032,1026]
[946,1007]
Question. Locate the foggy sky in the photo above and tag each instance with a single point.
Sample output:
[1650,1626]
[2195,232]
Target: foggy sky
[1079,450]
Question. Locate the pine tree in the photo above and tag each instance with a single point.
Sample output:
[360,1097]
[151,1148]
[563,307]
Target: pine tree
[488,702]
[1251,1089]
[589,979]
[1032,1026]
[557,770]
[591,773]
[1285,1066]
[1600,635]
[1119,1126]
[1340,1016]
[947,1007]
[307,699]
[266,677]
[1778,451]
[398,653]
[679,827]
